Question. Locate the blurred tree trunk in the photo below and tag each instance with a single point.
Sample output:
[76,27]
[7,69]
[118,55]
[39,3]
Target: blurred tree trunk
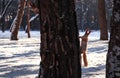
[3,17]
[113,55]
[18,20]
[102,20]
[59,40]
[5,6]
[79,14]
[28,18]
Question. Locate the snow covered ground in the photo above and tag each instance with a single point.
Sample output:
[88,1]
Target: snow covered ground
[20,59]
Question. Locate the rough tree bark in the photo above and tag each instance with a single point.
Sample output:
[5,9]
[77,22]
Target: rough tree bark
[102,20]
[17,22]
[59,40]
[113,55]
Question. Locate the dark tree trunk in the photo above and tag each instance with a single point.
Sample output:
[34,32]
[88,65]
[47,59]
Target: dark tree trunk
[59,40]
[18,20]
[28,18]
[113,55]
[4,10]
[3,24]
[102,20]
[3,18]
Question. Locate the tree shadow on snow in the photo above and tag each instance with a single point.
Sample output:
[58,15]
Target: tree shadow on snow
[20,55]
[98,49]
[7,70]
[17,71]
[93,70]
[97,46]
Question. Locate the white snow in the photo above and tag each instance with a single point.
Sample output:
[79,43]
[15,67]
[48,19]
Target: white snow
[20,59]
[34,17]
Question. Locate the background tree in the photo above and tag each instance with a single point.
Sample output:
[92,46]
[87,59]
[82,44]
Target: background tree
[59,40]
[3,16]
[102,19]
[5,5]
[17,22]
[113,55]
[79,14]
[28,18]
[87,14]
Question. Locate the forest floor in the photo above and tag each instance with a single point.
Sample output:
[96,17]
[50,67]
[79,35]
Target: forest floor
[20,59]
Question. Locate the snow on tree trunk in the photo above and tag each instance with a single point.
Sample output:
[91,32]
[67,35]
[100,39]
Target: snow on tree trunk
[31,19]
[113,55]
[59,40]
[34,17]
[17,22]
[12,24]
[102,20]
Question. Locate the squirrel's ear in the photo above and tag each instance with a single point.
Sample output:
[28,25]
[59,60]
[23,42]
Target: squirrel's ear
[89,31]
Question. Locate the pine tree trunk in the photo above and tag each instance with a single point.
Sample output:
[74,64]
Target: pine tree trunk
[113,55]
[59,40]
[17,22]
[102,20]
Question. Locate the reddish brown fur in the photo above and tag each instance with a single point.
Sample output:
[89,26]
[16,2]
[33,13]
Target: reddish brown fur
[84,40]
